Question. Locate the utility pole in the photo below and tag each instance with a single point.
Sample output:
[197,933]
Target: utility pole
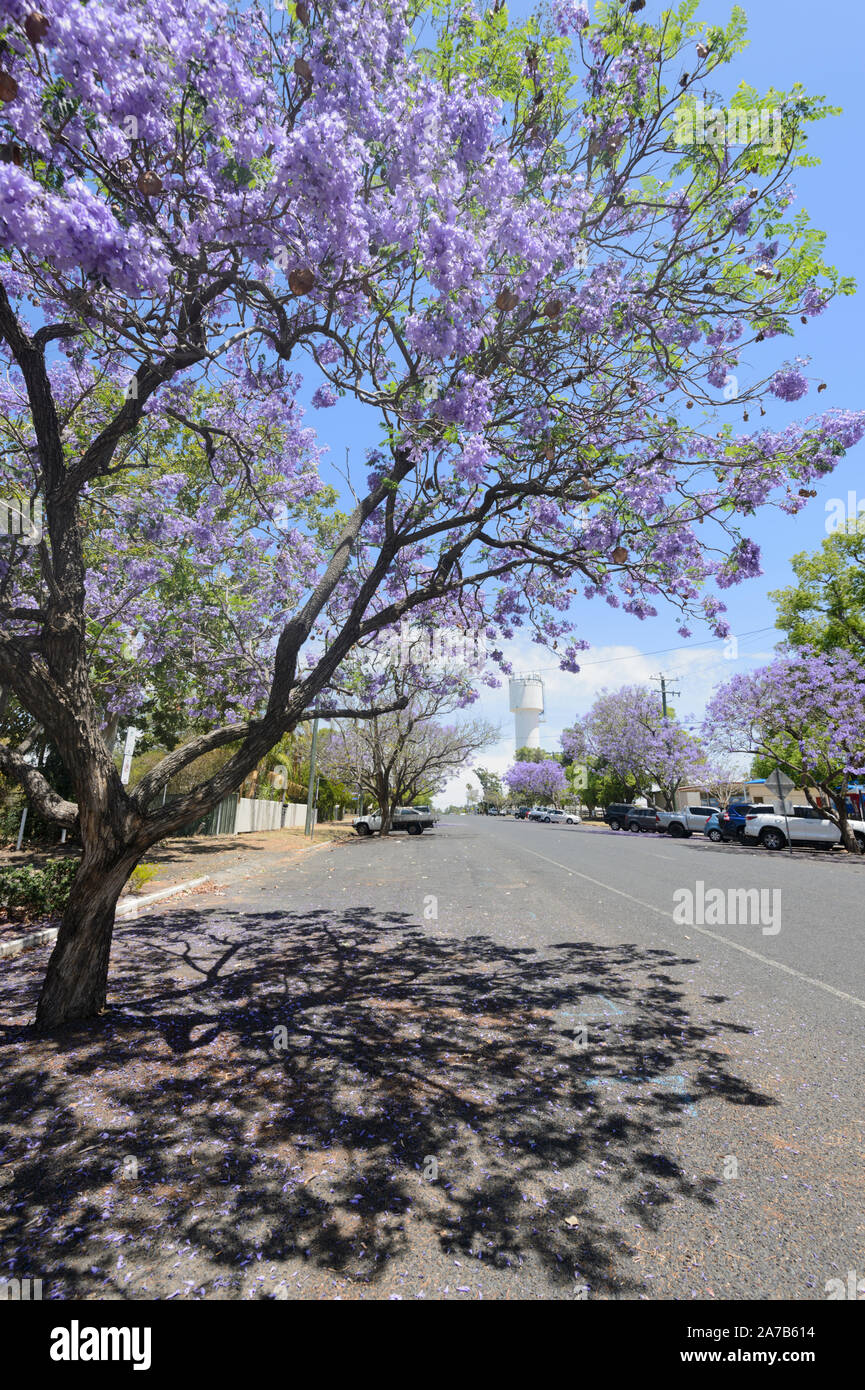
[309,828]
[664,692]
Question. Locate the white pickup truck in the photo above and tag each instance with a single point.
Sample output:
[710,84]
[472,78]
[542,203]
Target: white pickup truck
[684,823]
[803,825]
[404,818]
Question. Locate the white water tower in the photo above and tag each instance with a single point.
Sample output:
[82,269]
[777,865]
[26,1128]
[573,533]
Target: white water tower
[527,707]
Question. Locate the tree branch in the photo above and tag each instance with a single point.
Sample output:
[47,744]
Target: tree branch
[39,793]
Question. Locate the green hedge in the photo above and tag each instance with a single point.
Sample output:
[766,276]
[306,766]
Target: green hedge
[39,890]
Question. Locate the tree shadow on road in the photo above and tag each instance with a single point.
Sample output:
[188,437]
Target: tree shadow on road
[348,1095]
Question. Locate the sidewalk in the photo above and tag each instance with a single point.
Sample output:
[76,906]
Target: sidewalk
[185,857]
[219,859]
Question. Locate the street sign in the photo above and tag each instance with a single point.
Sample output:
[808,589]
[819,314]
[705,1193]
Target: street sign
[780,785]
[128,750]
[580,777]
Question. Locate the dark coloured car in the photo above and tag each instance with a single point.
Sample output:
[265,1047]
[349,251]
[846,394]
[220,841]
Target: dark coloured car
[616,814]
[643,819]
[731,821]
[521,812]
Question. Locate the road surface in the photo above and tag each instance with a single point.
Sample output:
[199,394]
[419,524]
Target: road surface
[499,1060]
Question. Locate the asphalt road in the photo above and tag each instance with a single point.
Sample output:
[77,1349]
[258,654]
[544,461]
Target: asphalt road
[499,1060]
[702,1138]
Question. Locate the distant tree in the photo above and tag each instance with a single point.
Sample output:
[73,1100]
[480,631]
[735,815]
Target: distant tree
[491,786]
[536,755]
[537,781]
[637,744]
[397,757]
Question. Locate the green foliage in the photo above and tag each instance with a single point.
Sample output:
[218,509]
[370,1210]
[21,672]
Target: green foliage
[536,755]
[141,875]
[762,766]
[495,55]
[38,890]
[825,609]
[493,791]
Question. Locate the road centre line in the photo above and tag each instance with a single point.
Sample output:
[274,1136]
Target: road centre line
[713,936]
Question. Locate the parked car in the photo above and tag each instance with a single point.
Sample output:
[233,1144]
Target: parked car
[407,818]
[539,813]
[643,819]
[616,814]
[561,817]
[492,810]
[804,825]
[732,819]
[573,818]
[713,829]
[682,824]
[521,813]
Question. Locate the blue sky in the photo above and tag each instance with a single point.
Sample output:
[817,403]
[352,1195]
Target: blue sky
[820,45]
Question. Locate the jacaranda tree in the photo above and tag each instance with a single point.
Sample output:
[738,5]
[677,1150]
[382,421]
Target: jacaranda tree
[505,244]
[543,781]
[804,713]
[627,732]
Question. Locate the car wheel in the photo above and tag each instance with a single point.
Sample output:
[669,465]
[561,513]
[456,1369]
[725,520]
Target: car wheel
[614,825]
[363,830]
[772,839]
[677,831]
[860,840]
[414,829]
[715,836]
[546,820]
[634,828]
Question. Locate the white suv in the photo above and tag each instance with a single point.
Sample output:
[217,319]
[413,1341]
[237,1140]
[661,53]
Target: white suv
[804,825]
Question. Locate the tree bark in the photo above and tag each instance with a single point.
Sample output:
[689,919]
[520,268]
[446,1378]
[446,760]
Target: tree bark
[76,981]
[848,839]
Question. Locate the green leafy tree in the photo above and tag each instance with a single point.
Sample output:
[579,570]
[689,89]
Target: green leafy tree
[825,608]
[536,755]
[492,787]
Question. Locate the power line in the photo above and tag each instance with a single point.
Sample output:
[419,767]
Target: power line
[663,651]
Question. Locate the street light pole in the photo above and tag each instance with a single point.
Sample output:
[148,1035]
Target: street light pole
[310,795]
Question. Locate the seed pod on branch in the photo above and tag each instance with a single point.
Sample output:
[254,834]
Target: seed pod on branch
[506,299]
[36,26]
[149,183]
[301,281]
[620,555]
[8,87]
[303,70]
[302,12]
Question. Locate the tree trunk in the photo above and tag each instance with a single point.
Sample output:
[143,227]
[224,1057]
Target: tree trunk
[848,839]
[76,981]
